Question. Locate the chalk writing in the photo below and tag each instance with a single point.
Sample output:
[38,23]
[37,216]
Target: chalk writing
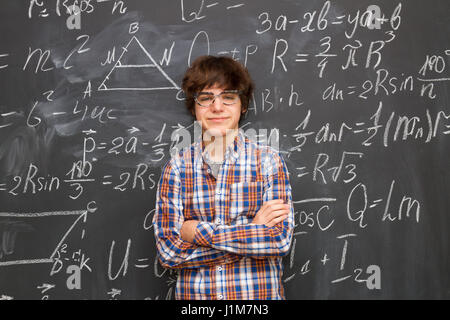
[355,99]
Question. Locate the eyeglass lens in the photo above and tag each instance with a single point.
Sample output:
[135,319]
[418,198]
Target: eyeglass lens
[228,98]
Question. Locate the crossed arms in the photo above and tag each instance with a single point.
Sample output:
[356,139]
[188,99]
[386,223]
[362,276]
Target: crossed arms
[194,244]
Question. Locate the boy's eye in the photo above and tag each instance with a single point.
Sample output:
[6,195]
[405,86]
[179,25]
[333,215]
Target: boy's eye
[205,98]
[229,97]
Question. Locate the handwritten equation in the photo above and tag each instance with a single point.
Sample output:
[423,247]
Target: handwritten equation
[101,111]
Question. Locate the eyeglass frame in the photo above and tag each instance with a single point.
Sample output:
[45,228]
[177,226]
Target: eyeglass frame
[239,92]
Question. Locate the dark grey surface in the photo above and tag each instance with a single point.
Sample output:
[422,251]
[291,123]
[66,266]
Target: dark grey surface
[394,157]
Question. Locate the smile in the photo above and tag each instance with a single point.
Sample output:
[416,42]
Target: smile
[217,119]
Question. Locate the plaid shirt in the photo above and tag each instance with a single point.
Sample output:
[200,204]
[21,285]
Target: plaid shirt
[230,257]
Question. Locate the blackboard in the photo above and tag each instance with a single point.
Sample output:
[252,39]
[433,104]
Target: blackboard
[90,100]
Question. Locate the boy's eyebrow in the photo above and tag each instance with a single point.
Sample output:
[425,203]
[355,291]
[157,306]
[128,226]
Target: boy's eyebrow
[224,91]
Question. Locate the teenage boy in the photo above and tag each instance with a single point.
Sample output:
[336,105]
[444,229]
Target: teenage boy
[224,214]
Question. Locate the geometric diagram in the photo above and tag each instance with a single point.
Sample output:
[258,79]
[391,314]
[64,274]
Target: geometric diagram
[136,70]
[82,214]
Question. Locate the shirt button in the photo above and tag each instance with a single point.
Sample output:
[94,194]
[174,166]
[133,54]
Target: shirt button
[219,269]
[218,220]
[218,192]
[220,297]
[209,170]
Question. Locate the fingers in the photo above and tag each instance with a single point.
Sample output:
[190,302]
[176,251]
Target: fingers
[277,216]
[269,203]
[274,201]
[272,212]
[272,204]
[281,206]
[277,220]
[264,210]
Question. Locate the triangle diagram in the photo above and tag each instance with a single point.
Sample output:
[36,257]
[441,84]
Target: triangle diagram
[136,70]
[33,233]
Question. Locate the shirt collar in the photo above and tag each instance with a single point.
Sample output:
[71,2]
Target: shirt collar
[232,152]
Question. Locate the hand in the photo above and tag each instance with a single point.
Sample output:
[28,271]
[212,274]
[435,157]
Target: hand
[272,212]
[187,231]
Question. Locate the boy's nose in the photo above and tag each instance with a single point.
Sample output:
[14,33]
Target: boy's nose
[216,104]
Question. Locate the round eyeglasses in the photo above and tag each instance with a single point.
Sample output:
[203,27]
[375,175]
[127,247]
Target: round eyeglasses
[228,98]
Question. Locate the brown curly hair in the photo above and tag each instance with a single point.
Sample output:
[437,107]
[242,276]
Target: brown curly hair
[208,71]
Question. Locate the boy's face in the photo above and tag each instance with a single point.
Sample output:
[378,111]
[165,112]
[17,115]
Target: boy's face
[218,117]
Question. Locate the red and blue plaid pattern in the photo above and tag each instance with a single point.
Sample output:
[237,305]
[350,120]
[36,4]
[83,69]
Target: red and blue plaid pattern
[230,257]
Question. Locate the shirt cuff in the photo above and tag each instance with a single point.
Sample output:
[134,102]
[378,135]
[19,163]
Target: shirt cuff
[203,234]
